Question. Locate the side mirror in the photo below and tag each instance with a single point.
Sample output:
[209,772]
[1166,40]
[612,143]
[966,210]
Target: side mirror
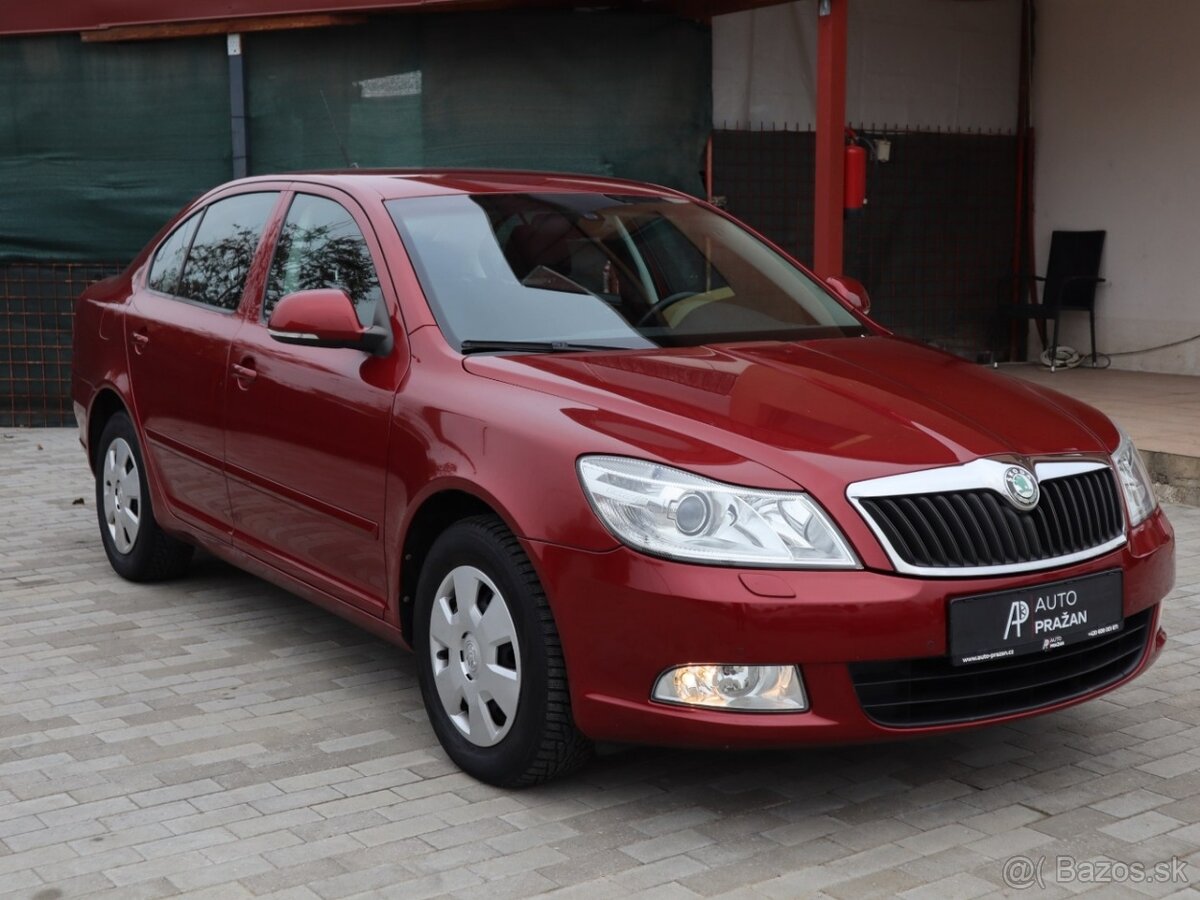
[323,318]
[852,291]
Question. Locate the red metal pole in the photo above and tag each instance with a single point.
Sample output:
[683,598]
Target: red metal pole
[1022,255]
[831,137]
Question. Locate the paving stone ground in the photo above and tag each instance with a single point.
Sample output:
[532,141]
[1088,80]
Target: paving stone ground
[216,737]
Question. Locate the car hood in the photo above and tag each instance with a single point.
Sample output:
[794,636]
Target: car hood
[849,407]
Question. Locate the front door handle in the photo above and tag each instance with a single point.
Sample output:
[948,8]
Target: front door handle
[244,375]
[140,341]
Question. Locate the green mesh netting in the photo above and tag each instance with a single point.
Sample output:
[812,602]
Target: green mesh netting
[330,98]
[603,93]
[616,94]
[101,143]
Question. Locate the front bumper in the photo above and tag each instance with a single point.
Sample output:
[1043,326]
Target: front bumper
[625,617]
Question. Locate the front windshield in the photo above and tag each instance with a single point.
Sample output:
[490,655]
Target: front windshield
[605,270]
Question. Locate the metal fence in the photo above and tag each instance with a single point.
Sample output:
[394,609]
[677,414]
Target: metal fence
[933,243]
[36,304]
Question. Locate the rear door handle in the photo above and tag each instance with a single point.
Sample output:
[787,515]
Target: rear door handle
[244,374]
[140,341]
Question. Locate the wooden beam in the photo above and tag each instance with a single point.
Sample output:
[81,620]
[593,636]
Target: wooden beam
[829,212]
[171,30]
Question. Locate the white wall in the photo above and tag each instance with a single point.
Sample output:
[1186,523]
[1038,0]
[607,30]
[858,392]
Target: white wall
[918,63]
[1118,124]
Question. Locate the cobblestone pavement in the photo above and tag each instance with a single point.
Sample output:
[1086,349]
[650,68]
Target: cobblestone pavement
[217,737]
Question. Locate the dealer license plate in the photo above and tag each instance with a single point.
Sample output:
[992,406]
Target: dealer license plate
[1036,619]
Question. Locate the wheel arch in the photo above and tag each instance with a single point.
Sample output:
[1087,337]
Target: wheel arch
[435,513]
[106,404]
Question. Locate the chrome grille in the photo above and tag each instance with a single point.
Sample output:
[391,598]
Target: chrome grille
[971,527]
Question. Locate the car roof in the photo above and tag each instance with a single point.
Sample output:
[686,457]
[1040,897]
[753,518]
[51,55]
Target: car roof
[391,184]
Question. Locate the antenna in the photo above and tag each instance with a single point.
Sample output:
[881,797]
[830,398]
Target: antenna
[336,136]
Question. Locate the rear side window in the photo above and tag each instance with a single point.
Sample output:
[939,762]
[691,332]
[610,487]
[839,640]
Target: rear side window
[168,262]
[219,261]
[321,246]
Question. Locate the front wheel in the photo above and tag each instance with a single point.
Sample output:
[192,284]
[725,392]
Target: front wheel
[489,659]
[136,547]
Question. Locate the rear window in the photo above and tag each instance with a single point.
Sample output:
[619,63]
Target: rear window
[219,260]
[168,262]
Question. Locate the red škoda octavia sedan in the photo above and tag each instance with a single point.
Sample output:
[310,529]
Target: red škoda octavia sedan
[612,465]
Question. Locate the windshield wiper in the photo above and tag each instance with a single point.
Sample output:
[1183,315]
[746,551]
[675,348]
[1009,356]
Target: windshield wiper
[469,347]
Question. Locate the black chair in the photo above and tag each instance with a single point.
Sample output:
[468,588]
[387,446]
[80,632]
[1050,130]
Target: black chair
[1072,274]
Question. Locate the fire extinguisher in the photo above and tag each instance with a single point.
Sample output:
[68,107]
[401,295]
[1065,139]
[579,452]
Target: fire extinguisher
[856,173]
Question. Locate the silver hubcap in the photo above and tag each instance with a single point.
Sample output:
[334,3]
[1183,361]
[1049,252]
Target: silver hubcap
[475,655]
[122,495]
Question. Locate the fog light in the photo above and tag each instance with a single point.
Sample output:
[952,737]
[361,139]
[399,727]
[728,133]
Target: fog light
[734,687]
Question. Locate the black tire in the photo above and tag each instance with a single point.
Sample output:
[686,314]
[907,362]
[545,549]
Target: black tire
[154,554]
[542,742]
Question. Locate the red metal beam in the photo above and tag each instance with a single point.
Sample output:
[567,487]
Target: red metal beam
[88,15]
[831,137]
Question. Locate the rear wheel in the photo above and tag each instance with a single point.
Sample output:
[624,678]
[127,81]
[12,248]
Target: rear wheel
[136,547]
[490,661]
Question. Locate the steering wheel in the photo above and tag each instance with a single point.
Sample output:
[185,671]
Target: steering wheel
[662,304]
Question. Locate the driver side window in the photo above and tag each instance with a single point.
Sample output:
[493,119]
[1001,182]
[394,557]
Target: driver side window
[321,246]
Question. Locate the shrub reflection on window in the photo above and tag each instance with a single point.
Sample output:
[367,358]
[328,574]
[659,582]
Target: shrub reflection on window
[168,262]
[320,246]
[216,271]
[223,249]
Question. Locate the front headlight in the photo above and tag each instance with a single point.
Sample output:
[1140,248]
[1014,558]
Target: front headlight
[669,512]
[1135,481]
